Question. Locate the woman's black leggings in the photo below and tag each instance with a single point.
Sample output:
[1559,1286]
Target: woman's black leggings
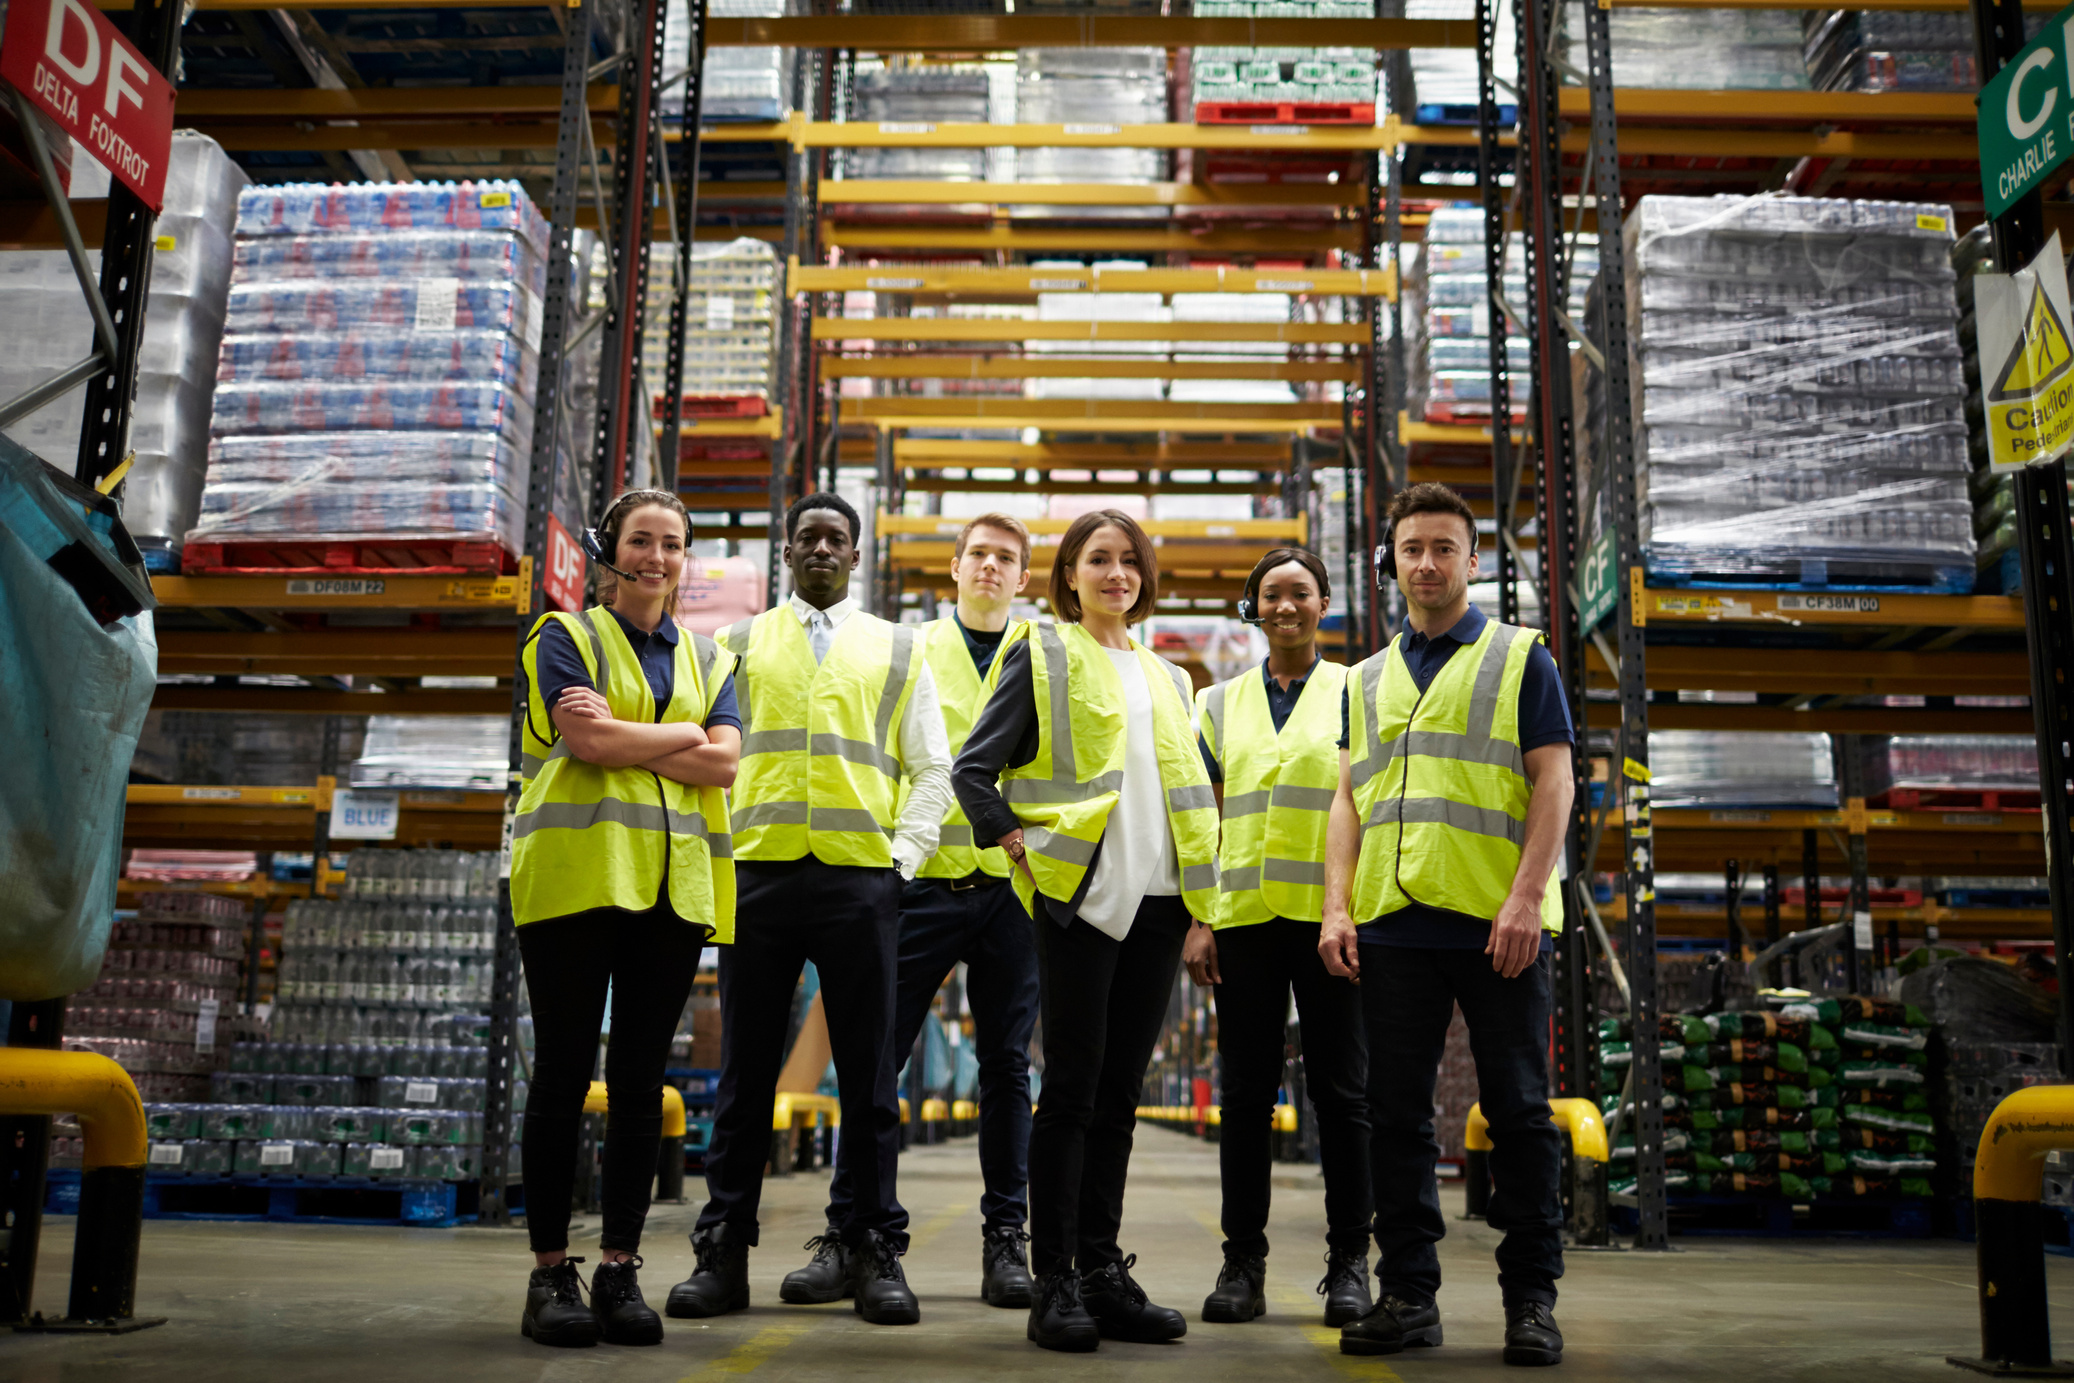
[647,960]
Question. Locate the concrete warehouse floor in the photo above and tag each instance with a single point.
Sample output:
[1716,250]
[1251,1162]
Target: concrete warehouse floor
[316,1302]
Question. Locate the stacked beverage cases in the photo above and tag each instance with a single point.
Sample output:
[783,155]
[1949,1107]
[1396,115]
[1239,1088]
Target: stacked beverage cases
[1819,1099]
[378,366]
[1797,393]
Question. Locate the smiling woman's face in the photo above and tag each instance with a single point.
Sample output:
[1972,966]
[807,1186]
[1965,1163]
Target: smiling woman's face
[1290,605]
[651,546]
[1106,575]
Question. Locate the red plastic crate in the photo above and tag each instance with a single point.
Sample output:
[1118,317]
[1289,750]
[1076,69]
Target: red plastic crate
[1285,113]
[719,406]
[1959,800]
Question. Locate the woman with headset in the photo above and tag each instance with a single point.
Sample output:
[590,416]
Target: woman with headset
[1270,739]
[1082,766]
[621,872]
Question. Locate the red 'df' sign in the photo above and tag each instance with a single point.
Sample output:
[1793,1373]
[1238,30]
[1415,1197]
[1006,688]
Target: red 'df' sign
[84,74]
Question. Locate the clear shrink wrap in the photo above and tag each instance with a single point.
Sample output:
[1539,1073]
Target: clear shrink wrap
[1703,50]
[1735,768]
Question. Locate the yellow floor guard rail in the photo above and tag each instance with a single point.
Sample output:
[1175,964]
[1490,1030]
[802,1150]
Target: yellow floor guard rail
[1585,1126]
[2009,1229]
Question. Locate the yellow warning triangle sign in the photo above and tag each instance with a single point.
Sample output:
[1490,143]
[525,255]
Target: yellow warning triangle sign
[2041,355]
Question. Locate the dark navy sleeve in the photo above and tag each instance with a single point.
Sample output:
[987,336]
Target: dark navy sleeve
[1004,736]
[1344,717]
[1215,769]
[724,711]
[1544,712]
[561,667]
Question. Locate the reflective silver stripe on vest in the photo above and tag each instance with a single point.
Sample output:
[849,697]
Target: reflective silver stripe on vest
[737,636]
[1213,713]
[955,836]
[531,764]
[1039,790]
[889,700]
[1304,872]
[1182,685]
[704,654]
[1483,698]
[1058,676]
[1191,797]
[772,741]
[1241,880]
[1195,877]
[1372,762]
[1473,744]
[1439,811]
[1303,799]
[1059,846]
[1238,804]
[580,816]
[851,819]
[1449,744]
[770,814]
[856,751]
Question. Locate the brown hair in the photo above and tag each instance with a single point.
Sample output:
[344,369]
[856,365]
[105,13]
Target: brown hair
[615,518]
[1001,521]
[1430,497]
[1065,601]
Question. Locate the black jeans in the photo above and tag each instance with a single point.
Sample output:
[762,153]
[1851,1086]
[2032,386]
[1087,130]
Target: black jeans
[1104,1002]
[648,961]
[846,920]
[1408,996]
[985,927]
[1260,964]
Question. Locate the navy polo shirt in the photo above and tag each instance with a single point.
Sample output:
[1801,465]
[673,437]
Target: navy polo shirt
[1544,719]
[1279,704]
[561,668]
[982,644]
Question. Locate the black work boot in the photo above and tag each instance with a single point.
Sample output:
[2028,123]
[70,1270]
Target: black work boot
[1121,1310]
[624,1318]
[1345,1286]
[1058,1320]
[1393,1326]
[1004,1278]
[825,1278]
[1531,1336]
[881,1289]
[720,1281]
[555,1313]
[1241,1290]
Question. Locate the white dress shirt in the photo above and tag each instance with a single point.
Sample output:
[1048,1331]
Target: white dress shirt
[924,748]
[1138,858]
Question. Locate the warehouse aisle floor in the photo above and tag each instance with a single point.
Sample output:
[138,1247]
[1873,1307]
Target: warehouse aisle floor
[312,1302]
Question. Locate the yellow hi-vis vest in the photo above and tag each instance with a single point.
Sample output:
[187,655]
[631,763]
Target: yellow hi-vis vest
[590,837]
[1064,795]
[961,692]
[1440,781]
[820,744]
[1278,792]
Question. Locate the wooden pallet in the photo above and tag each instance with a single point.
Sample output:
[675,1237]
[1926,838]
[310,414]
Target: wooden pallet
[373,557]
[1285,113]
[1959,799]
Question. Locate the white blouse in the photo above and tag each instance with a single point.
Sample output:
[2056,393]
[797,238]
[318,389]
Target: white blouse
[1137,859]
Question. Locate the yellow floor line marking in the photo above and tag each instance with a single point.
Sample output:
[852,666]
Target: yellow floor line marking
[936,1225]
[750,1355]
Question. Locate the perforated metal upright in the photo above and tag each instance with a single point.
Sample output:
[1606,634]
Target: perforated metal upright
[623,396]
[685,224]
[1504,485]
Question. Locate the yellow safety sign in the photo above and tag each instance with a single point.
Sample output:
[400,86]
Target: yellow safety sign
[2024,348]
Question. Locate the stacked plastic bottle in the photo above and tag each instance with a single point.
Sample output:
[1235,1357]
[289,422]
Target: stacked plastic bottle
[1449,316]
[727,318]
[915,98]
[1820,1099]
[1978,762]
[465,752]
[378,366]
[1888,50]
[1314,77]
[1798,397]
[1094,88]
[739,84]
[1741,768]
[163,1004]
[49,329]
[1701,50]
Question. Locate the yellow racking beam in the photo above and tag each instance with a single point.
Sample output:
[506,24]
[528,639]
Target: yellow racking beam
[1011,329]
[1846,609]
[1082,367]
[1266,530]
[967,33]
[1832,672]
[1152,239]
[1738,143]
[922,134]
[1808,107]
[772,425]
[386,592]
[937,278]
[317,701]
[1417,433]
[1053,486]
[1104,415]
[1832,720]
[1187,456]
[874,192]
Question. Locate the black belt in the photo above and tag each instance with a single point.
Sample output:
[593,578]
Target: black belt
[978,878]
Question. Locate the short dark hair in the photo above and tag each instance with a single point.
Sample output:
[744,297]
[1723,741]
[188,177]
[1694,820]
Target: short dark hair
[822,499]
[1065,601]
[1282,557]
[1431,497]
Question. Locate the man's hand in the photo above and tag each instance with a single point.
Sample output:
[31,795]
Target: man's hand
[1012,844]
[1199,954]
[1515,936]
[586,702]
[1339,946]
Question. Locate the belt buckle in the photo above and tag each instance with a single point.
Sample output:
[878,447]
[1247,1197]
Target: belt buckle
[964,885]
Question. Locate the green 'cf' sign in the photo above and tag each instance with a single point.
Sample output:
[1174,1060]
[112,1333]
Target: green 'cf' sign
[2027,116]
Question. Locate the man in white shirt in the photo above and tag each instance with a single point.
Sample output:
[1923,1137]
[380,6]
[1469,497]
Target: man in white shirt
[837,707]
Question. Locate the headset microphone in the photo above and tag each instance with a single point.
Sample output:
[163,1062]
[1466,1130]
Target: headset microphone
[1249,611]
[594,548]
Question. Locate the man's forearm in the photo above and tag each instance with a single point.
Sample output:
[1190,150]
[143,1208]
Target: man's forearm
[1342,844]
[1548,817]
[701,766]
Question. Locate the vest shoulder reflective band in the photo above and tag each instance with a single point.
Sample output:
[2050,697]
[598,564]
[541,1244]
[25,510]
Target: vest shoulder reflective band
[1064,795]
[590,837]
[961,692]
[1440,781]
[820,744]
[1277,794]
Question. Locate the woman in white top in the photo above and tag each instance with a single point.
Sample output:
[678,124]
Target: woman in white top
[1083,766]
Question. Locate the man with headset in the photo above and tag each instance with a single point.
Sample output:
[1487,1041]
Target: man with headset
[1446,831]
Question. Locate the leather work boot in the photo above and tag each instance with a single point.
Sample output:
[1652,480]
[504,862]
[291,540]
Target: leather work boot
[555,1313]
[1241,1290]
[1004,1272]
[1122,1311]
[624,1318]
[1345,1287]
[1393,1326]
[1058,1320]
[883,1296]
[720,1281]
[1531,1336]
[825,1278]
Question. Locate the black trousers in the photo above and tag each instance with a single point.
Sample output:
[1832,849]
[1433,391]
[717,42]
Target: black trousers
[1104,1002]
[846,920]
[647,960]
[1261,965]
[943,922]
[1408,996]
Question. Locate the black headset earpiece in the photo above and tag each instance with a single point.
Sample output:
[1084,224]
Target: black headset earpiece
[594,547]
[1386,559]
[1249,610]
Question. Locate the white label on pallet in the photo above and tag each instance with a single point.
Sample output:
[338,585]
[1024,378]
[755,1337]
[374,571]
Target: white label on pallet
[1973,818]
[166,1154]
[906,127]
[421,1092]
[205,1025]
[333,587]
[385,1159]
[209,794]
[720,313]
[1281,129]
[277,1154]
[1751,818]
[1057,285]
[1861,930]
[1282,285]
[439,304]
[1094,129]
[893,285]
[1860,604]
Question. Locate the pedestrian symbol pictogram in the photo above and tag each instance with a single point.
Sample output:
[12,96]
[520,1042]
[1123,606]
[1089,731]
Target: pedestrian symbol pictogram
[2041,354]
[2023,347]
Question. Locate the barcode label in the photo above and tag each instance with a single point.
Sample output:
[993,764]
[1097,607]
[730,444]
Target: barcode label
[385,1159]
[439,303]
[1862,604]
[166,1154]
[1281,129]
[276,1154]
[1283,285]
[209,794]
[1054,285]
[892,285]
[1094,129]
[906,127]
[421,1092]
[329,586]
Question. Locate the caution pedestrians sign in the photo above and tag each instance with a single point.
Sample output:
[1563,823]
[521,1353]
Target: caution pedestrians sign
[2027,358]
